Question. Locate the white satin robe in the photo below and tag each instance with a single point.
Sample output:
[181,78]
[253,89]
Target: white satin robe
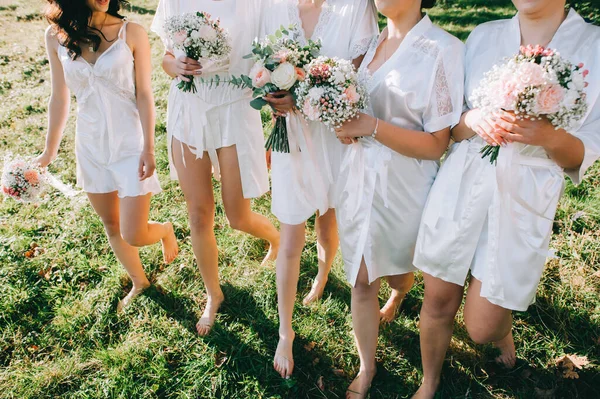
[216,117]
[382,192]
[303,181]
[497,220]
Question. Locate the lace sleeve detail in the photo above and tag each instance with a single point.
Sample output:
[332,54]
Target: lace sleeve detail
[359,49]
[443,97]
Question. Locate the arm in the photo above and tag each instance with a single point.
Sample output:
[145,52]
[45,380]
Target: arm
[60,101]
[472,123]
[180,67]
[410,143]
[138,40]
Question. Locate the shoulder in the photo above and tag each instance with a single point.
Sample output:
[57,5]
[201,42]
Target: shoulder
[445,40]
[487,30]
[135,29]
[436,43]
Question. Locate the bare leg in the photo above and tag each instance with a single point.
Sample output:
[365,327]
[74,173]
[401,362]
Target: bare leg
[495,327]
[365,322]
[196,182]
[400,286]
[327,245]
[107,207]
[237,207]
[288,273]
[440,304]
[139,232]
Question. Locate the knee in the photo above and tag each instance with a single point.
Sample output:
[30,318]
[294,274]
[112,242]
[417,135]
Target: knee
[133,237]
[201,218]
[440,307]
[402,283]
[238,221]
[112,227]
[363,290]
[290,253]
[480,334]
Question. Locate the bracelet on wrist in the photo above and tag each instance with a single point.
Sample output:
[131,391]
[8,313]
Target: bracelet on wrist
[374,134]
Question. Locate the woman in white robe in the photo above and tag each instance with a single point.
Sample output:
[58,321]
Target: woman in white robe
[416,92]
[215,129]
[303,181]
[496,221]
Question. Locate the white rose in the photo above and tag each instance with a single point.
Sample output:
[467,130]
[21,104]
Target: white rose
[284,76]
[195,35]
[315,93]
[207,33]
[578,80]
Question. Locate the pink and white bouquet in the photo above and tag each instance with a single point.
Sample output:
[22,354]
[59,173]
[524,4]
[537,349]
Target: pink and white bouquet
[537,82]
[279,62]
[332,92]
[22,180]
[200,38]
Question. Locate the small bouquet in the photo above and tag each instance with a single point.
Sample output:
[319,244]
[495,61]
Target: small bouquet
[537,82]
[22,180]
[200,38]
[332,92]
[279,61]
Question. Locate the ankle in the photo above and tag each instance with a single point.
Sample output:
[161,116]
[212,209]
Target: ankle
[286,334]
[216,296]
[141,285]
[431,385]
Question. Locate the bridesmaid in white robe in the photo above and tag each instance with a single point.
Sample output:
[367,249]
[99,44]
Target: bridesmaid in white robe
[304,180]
[416,89]
[215,129]
[496,221]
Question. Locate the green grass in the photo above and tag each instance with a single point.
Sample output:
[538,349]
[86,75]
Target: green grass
[60,335]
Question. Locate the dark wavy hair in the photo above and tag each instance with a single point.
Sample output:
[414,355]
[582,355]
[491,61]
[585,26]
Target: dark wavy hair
[428,3]
[70,20]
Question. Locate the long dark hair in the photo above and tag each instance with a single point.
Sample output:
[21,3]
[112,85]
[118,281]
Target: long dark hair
[70,20]
[428,3]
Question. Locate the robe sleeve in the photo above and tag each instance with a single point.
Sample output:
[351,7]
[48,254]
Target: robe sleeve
[364,28]
[589,134]
[447,92]
[158,24]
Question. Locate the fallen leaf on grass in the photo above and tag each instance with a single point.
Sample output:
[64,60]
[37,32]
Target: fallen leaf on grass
[321,384]
[569,364]
[310,346]
[220,358]
[34,250]
[339,372]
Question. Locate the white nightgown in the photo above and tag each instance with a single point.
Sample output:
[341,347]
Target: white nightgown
[109,137]
[383,192]
[216,117]
[497,220]
[303,181]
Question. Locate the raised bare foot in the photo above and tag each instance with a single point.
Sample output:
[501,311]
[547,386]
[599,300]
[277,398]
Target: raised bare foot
[283,362]
[136,290]
[389,311]
[426,391]
[508,355]
[206,322]
[170,247]
[316,292]
[360,387]
[271,255]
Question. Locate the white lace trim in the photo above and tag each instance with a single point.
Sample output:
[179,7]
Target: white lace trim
[442,91]
[324,18]
[361,48]
[426,46]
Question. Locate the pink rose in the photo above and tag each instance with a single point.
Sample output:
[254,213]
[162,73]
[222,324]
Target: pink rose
[530,74]
[281,56]
[300,74]
[180,37]
[312,113]
[351,94]
[549,99]
[32,177]
[260,75]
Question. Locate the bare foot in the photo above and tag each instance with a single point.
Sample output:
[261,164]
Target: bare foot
[316,292]
[283,362]
[136,290]
[426,391]
[508,355]
[170,247]
[389,311]
[207,320]
[360,387]
[271,255]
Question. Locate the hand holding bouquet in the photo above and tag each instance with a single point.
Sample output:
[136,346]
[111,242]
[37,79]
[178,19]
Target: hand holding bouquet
[537,82]
[200,38]
[331,93]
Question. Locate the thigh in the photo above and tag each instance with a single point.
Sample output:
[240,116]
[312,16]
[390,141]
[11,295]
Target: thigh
[326,222]
[231,181]
[135,212]
[195,176]
[481,316]
[292,240]
[107,207]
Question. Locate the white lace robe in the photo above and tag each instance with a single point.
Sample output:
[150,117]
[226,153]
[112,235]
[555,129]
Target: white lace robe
[303,181]
[497,220]
[383,193]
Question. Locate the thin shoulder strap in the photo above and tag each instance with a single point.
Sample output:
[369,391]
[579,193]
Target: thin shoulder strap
[123,30]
